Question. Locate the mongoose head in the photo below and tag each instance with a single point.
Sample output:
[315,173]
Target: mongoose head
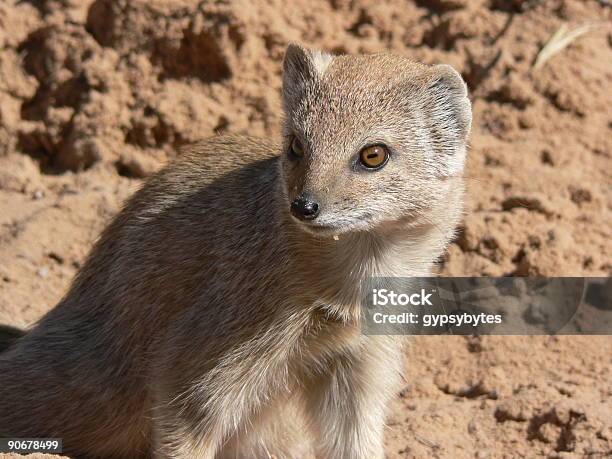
[369,140]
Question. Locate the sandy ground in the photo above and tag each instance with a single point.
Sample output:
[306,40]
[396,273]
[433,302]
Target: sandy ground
[95,96]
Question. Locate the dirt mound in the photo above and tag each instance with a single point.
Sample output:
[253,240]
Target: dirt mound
[480,397]
[95,95]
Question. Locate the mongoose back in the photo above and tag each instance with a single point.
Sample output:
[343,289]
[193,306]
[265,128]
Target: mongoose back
[218,315]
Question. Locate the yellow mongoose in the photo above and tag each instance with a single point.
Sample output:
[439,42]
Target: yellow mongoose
[218,314]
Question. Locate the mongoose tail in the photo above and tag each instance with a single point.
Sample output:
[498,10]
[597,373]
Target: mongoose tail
[8,336]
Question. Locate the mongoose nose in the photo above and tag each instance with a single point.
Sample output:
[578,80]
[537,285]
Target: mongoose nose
[304,208]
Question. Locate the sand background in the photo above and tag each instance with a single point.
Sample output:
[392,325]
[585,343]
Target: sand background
[96,95]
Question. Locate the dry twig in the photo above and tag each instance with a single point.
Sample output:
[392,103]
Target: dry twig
[560,40]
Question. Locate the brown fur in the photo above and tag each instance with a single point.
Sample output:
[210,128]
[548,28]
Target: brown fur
[9,336]
[208,322]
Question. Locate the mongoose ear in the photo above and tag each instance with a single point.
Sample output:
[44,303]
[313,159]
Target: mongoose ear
[452,108]
[301,66]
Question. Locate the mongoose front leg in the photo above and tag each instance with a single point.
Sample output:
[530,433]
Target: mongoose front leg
[191,420]
[347,406]
[201,403]
[176,438]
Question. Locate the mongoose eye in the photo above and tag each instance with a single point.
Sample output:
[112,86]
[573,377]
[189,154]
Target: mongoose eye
[297,149]
[374,157]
